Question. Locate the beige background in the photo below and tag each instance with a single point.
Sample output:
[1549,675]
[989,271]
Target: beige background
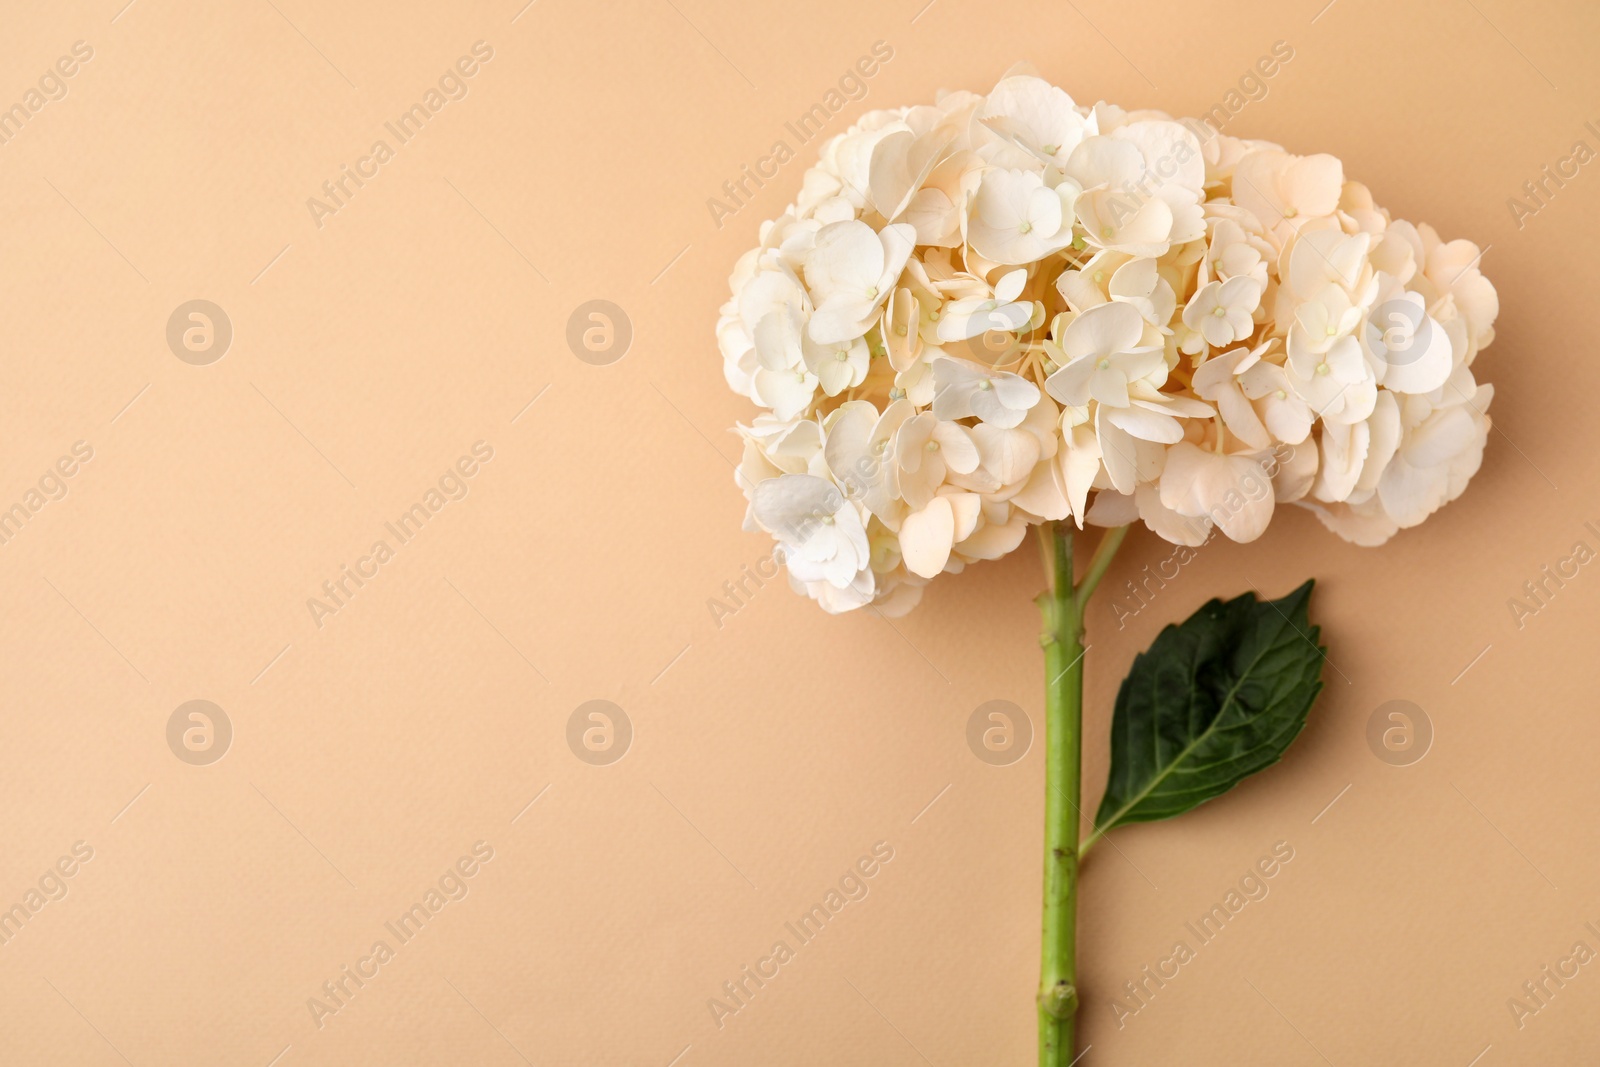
[768,754]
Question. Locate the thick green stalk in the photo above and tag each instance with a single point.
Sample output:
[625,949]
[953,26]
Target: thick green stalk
[1063,737]
[1061,607]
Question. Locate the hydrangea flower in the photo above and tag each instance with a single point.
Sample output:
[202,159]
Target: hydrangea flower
[999,311]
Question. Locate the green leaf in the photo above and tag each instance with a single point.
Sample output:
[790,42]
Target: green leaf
[1212,702]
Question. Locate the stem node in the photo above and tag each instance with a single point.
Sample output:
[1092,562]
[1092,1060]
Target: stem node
[1059,1001]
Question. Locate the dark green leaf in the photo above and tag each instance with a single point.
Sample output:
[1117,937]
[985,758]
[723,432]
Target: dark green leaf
[1213,701]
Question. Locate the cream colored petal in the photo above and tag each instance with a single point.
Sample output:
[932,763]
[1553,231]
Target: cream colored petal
[926,537]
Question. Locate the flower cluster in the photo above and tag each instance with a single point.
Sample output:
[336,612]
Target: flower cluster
[1006,309]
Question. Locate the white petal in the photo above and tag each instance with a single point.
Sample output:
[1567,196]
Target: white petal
[1010,286]
[1102,331]
[1145,424]
[1007,454]
[790,505]
[848,255]
[1119,453]
[966,507]
[1191,530]
[955,444]
[926,537]
[1080,465]
[1045,494]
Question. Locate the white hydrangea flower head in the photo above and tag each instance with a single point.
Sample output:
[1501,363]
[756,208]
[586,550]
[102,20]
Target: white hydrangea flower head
[1004,310]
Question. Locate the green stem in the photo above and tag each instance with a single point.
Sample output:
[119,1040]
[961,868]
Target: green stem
[1110,541]
[1061,607]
